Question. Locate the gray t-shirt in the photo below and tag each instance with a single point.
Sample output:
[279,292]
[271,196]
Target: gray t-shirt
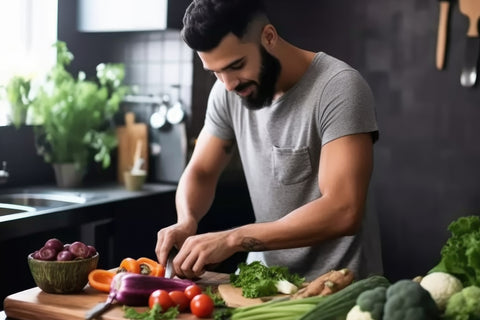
[279,146]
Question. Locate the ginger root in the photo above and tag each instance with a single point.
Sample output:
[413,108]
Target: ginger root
[326,284]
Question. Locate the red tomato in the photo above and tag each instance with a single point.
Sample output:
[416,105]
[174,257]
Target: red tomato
[179,299]
[202,305]
[161,297]
[192,290]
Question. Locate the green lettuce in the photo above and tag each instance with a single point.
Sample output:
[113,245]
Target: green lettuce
[460,256]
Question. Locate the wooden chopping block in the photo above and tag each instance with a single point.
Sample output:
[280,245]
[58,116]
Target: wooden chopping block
[233,296]
[131,136]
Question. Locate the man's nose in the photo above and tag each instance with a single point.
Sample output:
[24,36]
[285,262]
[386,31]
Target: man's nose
[230,81]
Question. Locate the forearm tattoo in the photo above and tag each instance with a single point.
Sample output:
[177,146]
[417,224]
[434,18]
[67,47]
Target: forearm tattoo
[252,244]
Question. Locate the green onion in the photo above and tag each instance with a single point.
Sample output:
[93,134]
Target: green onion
[278,309]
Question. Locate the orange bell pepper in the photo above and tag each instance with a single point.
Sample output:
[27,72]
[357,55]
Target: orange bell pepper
[129,265]
[100,279]
[151,267]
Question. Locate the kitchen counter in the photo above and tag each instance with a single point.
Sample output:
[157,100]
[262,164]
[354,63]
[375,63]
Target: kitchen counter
[20,224]
[34,304]
[109,213]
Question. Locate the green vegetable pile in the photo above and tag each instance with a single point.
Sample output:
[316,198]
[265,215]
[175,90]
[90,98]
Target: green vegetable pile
[464,305]
[461,252]
[405,299]
[258,280]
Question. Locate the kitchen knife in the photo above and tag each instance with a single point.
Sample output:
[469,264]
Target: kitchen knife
[444,12]
[169,273]
[471,9]
[100,308]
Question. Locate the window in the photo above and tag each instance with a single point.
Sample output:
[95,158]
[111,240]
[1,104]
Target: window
[28,29]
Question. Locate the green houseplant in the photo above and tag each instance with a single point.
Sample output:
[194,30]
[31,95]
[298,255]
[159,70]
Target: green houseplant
[74,116]
[17,93]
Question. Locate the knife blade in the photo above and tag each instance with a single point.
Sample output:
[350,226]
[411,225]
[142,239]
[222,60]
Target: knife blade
[444,12]
[169,273]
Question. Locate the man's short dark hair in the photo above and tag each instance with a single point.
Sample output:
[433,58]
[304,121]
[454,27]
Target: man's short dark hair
[206,22]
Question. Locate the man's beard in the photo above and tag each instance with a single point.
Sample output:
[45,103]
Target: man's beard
[269,72]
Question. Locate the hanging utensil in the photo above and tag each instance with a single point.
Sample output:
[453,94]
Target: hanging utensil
[471,9]
[176,113]
[159,117]
[444,13]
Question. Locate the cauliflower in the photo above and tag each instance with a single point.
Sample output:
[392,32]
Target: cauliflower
[357,314]
[407,299]
[441,286]
[369,305]
[464,305]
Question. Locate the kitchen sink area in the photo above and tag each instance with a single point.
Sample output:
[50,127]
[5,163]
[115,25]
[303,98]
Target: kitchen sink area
[41,207]
[26,201]
[8,208]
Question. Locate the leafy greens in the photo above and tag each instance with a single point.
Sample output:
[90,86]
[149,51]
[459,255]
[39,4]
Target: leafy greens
[461,252]
[258,280]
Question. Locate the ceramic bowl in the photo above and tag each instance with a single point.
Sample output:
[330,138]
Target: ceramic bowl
[62,276]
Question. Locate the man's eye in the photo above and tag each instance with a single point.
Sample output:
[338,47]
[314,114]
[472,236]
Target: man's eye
[237,66]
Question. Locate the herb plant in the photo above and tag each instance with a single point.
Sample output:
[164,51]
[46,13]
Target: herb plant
[74,116]
[17,93]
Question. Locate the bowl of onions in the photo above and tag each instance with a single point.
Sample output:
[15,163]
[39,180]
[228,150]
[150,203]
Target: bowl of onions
[62,268]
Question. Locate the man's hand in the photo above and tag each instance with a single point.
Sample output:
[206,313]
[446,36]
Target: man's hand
[169,237]
[200,251]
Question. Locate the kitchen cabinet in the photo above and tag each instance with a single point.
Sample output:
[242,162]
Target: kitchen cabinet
[130,15]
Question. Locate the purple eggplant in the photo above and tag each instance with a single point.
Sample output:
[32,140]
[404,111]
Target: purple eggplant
[134,289]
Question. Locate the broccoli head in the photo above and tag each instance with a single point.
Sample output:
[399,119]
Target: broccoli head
[464,305]
[373,301]
[407,299]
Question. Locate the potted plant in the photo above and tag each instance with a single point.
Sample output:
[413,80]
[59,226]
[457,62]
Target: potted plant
[73,117]
[17,93]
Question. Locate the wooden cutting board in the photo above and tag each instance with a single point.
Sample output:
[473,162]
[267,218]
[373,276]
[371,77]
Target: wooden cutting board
[129,138]
[34,304]
[233,296]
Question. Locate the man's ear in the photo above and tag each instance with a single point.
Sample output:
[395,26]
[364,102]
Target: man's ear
[269,36]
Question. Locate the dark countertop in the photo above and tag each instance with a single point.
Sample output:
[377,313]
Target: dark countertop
[17,224]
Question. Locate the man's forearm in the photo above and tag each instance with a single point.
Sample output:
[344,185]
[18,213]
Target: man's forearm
[194,197]
[312,223]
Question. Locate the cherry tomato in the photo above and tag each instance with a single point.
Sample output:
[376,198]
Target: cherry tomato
[179,299]
[192,290]
[162,298]
[202,305]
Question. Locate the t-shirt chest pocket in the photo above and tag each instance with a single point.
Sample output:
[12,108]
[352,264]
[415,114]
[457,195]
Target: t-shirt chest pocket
[291,165]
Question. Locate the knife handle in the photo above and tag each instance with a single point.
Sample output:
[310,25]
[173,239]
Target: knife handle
[442,34]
